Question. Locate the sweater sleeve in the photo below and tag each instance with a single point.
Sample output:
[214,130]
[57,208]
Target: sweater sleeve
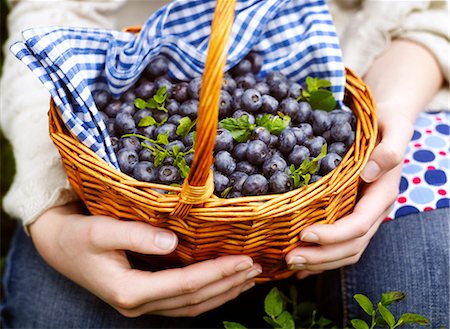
[40,181]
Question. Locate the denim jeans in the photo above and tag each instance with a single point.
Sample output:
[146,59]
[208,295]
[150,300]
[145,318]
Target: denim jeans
[409,254]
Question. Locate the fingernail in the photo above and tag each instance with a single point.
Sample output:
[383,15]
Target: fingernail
[255,272]
[309,237]
[371,171]
[245,265]
[248,286]
[165,240]
[297,260]
[297,266]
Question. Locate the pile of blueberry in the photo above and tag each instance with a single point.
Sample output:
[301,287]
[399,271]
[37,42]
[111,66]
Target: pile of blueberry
[269,140]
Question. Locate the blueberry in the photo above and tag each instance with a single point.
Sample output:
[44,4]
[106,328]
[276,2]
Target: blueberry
[101,99]
[256,60]
[240,151]
[314,145]
[257,152]
[168,161]
[168,174]
[146,155]
[163,82]
[280,182]
[113,108]
[307,129]
[304,112]
[290,107]
[246,81]
[251,100]
[341,132]
[262,134]
[234,194]
[224,140]
[276,77]
[160,116]
[127,107]
[239,113]
[148,131]
[350,140]
[148,144]
[339,116]
[338,148]
[167,128]
[228,84]
[189,158]
[174,143]
[262,87]
[298,155]
[279,90]
[175,119]
[158,66]
[237,179]
[140,114]
[103,116]
[275,152]
[224,162]
[189,139]
[145,90]
[131,143]
[172,106]
[314,178]
[221,182]
[127,160]
[287,141]
[274,164]
[144,171]
[246,167]
[274,142]
[180,92]
[241,68]
[225,106]
[255,184]
[115,143]
[269,104]
[236,98]
[300,135]
[124,124]
[320,121]
[189,108]
[327,136]
[194,87]
[295,90]
[128,96]
[329,162]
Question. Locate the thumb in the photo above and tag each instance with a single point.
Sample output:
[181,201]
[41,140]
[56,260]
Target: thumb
[390,152]
[111,234]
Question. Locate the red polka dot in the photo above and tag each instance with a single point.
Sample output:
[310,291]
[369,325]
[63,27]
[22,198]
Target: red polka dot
[428,131]
[387,219]
[442,153]
[401,199]
[416,180]
[431,167]
[417,145]
[406,161]
[438,119]
[427,208]
[442,192]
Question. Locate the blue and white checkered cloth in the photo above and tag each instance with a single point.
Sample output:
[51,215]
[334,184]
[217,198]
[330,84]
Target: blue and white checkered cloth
[296,37]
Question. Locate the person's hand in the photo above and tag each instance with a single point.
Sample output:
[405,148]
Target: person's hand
[89,250]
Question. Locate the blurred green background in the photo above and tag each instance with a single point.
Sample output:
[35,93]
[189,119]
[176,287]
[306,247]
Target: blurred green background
[7,166]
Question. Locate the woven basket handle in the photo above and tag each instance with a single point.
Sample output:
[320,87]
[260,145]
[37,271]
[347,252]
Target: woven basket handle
[199,185]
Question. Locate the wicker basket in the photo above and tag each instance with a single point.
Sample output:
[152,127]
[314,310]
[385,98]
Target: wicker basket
[264,227]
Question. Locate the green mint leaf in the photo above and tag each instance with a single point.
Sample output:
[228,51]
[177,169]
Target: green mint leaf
[359,324]
[365,303]
[388,298]
[386,314]
[185,126]
[305,95]
[184,168]
[414,318]
[323,322]
[161,91]
[233,325]
[274,303]
[305,309]
[147,121]
[264,120]
[239,128]
[225,192]
[159,157]
[285,320]
[152,104]
[273,123]
[159,99]
[311,84]
[323,100]
[379,321]
[306,179]
[162,122]
[271,321]
[140,103]
[162,108]
[162,139]
[176,150]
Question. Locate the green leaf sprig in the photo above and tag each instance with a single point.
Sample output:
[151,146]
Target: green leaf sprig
[150,121]
[318,95]
[239,128]
[158,101]
[275,124]
[185,126]
[302,174]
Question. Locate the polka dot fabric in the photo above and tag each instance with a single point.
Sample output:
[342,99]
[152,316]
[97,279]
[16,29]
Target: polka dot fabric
[424,184]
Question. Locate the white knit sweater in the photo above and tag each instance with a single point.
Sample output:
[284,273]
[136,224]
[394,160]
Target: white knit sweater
[365,29]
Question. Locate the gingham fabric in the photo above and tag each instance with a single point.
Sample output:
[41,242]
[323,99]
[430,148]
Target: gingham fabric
[296,37]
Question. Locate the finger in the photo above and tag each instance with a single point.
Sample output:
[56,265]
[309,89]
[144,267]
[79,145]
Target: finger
[389,153]
[300,275]
[376,197]
[138,287]
[202,295]
[335,264]
[195,310]
[111,234]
